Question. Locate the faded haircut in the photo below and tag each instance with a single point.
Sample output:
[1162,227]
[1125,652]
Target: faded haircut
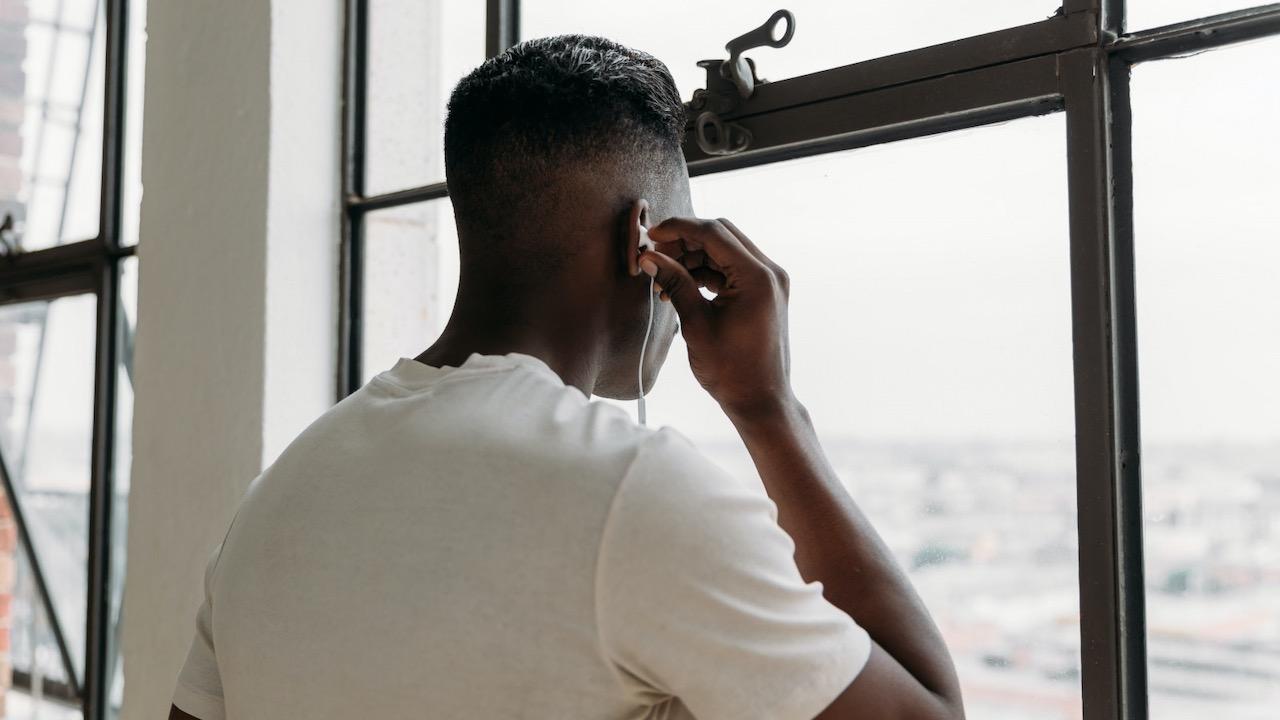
[546,104]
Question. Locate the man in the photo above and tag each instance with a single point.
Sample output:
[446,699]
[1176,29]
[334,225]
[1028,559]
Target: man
[468,536]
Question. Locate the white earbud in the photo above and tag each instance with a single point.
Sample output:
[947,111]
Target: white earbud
[645,244]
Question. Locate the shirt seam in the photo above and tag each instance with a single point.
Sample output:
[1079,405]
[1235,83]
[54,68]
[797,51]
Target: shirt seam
[471,373]
[217,700]
[196,691]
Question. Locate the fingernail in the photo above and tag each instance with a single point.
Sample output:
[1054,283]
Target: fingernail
[649,268]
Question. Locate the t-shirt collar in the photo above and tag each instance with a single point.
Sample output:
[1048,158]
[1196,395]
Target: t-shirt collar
[510,360]
[408,371]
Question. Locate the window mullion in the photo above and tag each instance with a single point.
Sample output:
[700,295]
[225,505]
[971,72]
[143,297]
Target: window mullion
[502,23]
[1111,17]
[113,139]
[355,105]
[1199,35]
[102,493]
[1108,501]
[1128,494]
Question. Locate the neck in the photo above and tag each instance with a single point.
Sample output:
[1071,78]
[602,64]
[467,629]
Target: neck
[568,343]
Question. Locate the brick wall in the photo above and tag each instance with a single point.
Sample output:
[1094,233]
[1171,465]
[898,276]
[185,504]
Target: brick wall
[8,548]
[13,19]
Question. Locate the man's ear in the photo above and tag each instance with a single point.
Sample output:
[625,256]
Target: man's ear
[638,215]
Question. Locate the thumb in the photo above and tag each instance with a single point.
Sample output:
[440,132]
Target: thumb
[678,284]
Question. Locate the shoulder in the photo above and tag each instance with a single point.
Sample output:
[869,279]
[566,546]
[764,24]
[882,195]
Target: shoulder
[669,464]
[674,494]
[666,459]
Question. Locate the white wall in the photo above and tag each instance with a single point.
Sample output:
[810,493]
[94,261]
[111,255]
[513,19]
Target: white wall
[237,286]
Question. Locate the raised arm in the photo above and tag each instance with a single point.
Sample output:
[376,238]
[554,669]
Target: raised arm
[738,350]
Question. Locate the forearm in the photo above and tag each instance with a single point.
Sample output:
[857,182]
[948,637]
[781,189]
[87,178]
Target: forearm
[836,544]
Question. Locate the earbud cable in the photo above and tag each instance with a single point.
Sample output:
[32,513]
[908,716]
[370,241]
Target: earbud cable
[640,413]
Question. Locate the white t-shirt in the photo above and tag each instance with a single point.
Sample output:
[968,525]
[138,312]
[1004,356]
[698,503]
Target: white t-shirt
[484,542]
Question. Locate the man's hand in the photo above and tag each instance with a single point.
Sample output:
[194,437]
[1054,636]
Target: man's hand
[739,352]
[738,346]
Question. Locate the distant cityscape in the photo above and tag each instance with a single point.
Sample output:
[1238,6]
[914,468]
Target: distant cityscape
[988,534]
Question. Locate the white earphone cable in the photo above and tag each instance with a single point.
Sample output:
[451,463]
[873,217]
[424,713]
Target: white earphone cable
[644,346]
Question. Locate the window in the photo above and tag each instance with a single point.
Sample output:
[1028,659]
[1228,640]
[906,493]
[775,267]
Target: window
[69,186]
[411,257]
[442,40]
[931,343]
[60,126]
[996,436]
[1208,310]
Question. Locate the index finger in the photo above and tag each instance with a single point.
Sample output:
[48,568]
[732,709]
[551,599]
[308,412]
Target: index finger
[710,236]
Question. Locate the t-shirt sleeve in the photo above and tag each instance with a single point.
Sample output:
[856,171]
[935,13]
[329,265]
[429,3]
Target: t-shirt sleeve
[699,597]
[199,690]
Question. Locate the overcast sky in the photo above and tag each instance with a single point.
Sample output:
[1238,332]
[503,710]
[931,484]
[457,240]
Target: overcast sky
[931,291]
[931,287]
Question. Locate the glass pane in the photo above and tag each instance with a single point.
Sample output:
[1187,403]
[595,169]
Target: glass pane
[418,50]
[51,120]
[136,70]
[1208,256]
[1147,14]
[123,467]
[931,342]
[22,704]
[46,418]
[828,34]
[39,684]
[411,278]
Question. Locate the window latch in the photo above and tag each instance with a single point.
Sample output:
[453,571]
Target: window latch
[732,81]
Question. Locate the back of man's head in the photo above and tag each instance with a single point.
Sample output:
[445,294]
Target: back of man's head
[529,121]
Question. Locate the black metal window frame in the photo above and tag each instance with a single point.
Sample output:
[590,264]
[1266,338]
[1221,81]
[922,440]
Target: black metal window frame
[88,266]
[1077,62]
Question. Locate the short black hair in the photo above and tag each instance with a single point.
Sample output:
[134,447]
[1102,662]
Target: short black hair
[545,103]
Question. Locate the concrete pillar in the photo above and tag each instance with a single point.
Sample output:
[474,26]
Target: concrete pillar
[237,284]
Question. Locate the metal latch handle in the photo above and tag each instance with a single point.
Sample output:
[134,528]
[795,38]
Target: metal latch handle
[738,69]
